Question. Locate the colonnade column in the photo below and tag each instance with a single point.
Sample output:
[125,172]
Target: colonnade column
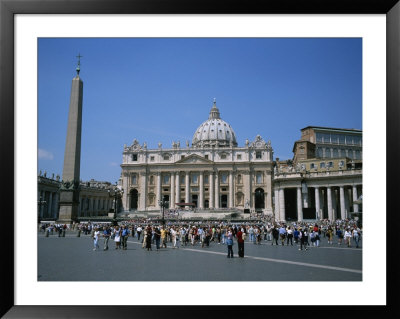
[342,203]
[172,198]
[187,185]
[282,204]
[177,188]
[299,205]
[143,190]
[355,197]
[216,190]
[230,189]
[55,205]
[329,198]
[201,182]
[158,195]
[277,210]
[49,204]
[317,204]
[42,208]
[211,189]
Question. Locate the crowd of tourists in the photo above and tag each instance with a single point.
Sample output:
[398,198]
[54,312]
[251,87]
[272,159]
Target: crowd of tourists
[179,235]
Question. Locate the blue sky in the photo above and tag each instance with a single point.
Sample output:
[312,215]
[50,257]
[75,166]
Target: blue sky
[162,89]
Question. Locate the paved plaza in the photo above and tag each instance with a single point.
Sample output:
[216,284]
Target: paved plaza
[72,258]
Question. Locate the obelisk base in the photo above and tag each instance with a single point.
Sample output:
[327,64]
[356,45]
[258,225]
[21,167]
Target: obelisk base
[69,205]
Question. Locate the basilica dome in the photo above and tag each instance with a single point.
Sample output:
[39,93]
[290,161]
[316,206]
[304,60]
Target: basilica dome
[214,132]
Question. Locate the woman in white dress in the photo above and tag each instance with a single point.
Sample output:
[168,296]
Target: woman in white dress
[96,235]
[117,238]
[347,237]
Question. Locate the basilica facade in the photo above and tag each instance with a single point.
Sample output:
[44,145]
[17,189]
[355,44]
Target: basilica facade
[211,174]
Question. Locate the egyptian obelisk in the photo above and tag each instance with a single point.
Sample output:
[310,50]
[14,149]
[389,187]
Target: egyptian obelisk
[69,192]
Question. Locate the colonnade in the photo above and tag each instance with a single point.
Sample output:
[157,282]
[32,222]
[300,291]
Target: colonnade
[94,205]
[48,207]
[332,202]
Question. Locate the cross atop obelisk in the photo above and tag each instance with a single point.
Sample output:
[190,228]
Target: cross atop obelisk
[78,68]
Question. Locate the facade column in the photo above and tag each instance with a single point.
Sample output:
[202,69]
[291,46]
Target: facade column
[355,197]
[318,214]
[126,196]
[342,204]
[201,199]
[282,204]
[247,188]
[268,198]
[187,185]
[299,205]
[172,198]
[158,194]
[211,190]
[329,198]
[231,189]
[216,190]
[305,199]
[347,202]
[143,190]
[177,188]
[277,210]
[335,208]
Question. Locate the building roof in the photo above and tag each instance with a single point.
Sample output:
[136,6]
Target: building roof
[322,128]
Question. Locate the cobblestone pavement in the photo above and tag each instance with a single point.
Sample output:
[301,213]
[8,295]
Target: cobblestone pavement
[72,258]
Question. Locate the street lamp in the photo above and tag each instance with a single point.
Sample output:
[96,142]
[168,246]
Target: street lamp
[164,204]
[41,202]
[116,194]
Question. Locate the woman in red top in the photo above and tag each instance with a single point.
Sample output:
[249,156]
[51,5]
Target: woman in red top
[239,237]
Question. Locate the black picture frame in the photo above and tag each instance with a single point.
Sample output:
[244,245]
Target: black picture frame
[8,10]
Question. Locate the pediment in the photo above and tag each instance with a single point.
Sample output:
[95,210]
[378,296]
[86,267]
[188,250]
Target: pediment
[194,159]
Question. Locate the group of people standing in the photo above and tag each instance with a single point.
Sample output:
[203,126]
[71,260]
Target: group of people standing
[183,235]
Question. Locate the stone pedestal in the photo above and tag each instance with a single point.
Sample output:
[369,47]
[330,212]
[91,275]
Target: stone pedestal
[69,205]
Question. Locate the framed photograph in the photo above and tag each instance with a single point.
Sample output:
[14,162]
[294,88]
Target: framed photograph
[27,27]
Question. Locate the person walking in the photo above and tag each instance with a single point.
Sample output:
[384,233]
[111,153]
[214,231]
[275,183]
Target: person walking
[124,237]
[148,238]
[339,234]
[139,232]
[296,233]
[282,234]
[163,237]
[289,232]
[117,238]
[275,235]
[356,235]
[96,235]
[106,235]
[240,240]
[157,237]
[303,238]
[329,235]
[173,236]
[347,237]
[229,242]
